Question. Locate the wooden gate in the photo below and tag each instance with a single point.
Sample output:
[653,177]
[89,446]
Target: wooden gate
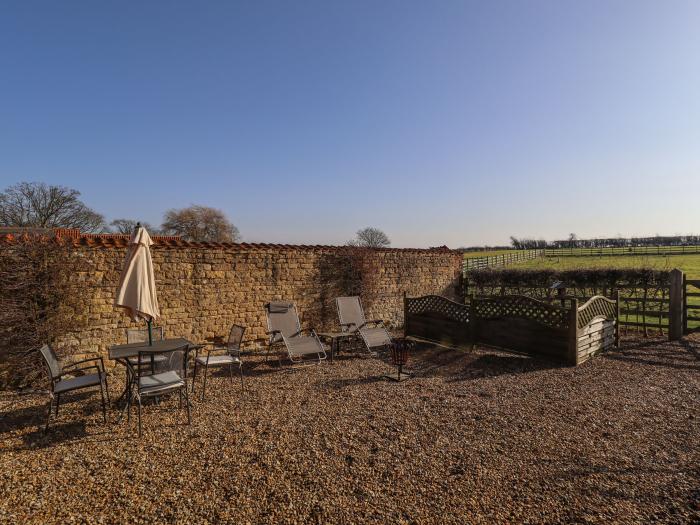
[691,306]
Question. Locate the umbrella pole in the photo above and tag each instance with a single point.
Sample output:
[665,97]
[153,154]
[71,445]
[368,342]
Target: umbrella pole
[150,333]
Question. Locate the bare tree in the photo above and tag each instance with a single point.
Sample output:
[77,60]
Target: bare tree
[370,238]
[35,204]
[200,223]
[127,226]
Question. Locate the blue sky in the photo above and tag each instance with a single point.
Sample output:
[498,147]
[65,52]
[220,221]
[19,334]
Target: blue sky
[457,123]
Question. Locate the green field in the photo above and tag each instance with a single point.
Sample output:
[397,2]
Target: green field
[489,253]
[623,250]
[690,264]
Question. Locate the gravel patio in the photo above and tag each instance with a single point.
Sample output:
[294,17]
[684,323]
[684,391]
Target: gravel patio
[475,437]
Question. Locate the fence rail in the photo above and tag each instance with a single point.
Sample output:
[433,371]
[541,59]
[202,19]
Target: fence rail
[621,250]
[497,261]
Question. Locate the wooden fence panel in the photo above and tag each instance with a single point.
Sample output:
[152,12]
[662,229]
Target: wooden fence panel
[523,335]
[517,323]
[438,319]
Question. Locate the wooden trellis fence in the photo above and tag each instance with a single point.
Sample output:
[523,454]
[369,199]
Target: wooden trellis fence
[571,334]
[669,307]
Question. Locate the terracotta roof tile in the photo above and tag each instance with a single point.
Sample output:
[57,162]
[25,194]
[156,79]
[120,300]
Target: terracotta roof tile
[122,241]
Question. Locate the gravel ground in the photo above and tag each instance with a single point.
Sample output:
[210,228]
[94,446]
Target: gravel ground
[475,437]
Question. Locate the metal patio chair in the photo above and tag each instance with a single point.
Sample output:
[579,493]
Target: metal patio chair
[140,335]
[171,377]
[285,329]
[61,384]
[352,320]
[232,357]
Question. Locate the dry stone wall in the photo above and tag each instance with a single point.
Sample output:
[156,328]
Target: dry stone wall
[203,289]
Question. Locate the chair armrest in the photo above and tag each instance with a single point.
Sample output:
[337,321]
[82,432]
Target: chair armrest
[71,366]
[72,370]
[305,330]
[378,322]
[347,326]
[272,334]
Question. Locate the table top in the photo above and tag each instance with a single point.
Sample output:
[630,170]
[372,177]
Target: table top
[133,349]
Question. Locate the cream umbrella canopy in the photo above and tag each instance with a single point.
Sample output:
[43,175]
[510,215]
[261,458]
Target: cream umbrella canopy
[137,285]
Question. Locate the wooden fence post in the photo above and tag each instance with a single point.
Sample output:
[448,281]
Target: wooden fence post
[472,319]
[405,314]
[676,306]
[573,332]
[617,319]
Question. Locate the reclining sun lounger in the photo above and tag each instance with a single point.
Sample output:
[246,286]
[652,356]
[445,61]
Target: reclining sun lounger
[352,319]
[284,327]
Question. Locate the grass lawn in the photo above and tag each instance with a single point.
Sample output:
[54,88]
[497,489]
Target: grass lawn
[690,264]
[477,436]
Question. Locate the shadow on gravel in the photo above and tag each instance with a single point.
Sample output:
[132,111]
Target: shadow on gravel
[35,414]
[691,346]
[682,355]
[463,365]
[337,384]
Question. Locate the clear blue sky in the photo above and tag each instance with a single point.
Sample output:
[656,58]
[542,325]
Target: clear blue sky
[444,122]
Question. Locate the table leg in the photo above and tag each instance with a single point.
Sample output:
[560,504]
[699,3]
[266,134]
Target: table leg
[127,396]
[126,388]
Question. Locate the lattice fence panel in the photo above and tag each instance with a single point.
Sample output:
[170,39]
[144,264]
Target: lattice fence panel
[521,307]
[434,304]
[596,307]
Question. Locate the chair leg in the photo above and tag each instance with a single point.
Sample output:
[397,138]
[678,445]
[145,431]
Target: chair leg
[128,405]
[194,374]
[104,408]
[139,411]
[48,415]
[187,403]
[109,401]
[179,404]
[240,369]
[204,385]
[230,372]
[58,402]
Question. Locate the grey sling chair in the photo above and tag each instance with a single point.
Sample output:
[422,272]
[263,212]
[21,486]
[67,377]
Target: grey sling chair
[140,335]
[61,384]
[232,357]
[352,320]
[284,328]
[171,377]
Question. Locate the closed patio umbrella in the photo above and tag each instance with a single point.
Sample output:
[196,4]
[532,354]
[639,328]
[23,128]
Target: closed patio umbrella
[137,285]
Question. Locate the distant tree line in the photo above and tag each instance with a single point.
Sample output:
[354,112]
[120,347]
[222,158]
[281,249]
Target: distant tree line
[618,242]
[40,205]
[613,242]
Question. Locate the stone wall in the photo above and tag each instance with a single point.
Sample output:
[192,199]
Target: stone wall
[203,289]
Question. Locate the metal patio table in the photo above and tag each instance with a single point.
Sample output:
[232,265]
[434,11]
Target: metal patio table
[120,353]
